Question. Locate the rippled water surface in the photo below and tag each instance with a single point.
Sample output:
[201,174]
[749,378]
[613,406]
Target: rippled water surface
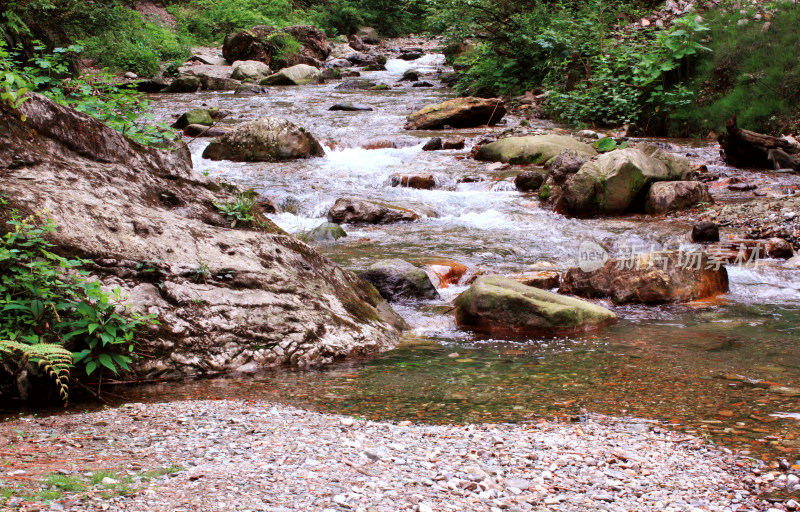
[683,365]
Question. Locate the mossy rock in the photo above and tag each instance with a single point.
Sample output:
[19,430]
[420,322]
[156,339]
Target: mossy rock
[195,116]
[398,279]
[500,304]
[325,232]
[532,149]
[300,74]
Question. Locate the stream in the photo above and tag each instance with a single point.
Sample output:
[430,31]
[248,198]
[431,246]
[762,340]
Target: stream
[693,367]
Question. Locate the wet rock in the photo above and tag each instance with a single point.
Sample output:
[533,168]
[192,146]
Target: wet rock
[184,83]
[499,304]
[546,280]
[215,83]
[418,181]
[380,87]
[379,144]
[299,74]
[779,248]
[444,272]
[338,63]
[250,70]
[652,278]
[351,107]
[569,161]
[410,75]
[200,116]
[268,139]
[264,44]
[410,56]
[434,144]
[211,60]
[325,232]
[341,51]
[458,113]
[454,143]
[199,130]
[529,181]
[375,67]
[355,85]
[705,231]
[108,212]
[359,211]
[612,183]
[422,84]
[669,196]
[793,262]
[531,149]
[742,187]
[367,35]
[398,279]
[248,89]
[357,43]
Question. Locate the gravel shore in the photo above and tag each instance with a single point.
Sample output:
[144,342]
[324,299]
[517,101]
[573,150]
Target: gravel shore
[247,455]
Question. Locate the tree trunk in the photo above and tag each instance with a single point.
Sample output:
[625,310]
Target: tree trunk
[743,148]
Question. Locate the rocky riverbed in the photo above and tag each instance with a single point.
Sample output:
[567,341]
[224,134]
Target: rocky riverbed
[254,455]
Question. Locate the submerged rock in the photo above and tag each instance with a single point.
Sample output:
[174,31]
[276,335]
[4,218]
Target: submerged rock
[418,181]
[653,278]
[268,139]
[300,74]
[351,107]
[532,149]
[705,231]
[398,279]
[264,298]
[354,85]
[359,211]
[325,232]
[458,113]
[500,304]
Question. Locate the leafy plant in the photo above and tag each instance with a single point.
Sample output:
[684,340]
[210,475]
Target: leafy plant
[240,209]
[53,359]
[607,144]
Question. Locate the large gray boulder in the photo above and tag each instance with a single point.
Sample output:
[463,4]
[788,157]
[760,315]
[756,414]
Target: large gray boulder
[398,279]
[532,149]
[250,70]
[148,222]
[500,304]
[612,182]
[300,74]
[269,139]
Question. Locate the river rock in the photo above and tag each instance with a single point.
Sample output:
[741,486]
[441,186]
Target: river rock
[546,279]
[529,181]
[263,43]
[184,83]
[355,85]
[500,304]
[421,84]
[458,113]
[410,75]
[129,207]
[667,196]
[268,139]
[359,211]
[779,248]
[199,130]
[418,181]
[792,263]
[300,74]
[444,272]
[250,70]
[610,183]
[341,51]
[531,149]
[454,143]
[325,232]
[338,63]
[434,144]
[705,231]
[410,56]
[351,107]
[250,89]
[367,35]
[200,116]
[569,161]
[398,279]
[650,278]
[357,44]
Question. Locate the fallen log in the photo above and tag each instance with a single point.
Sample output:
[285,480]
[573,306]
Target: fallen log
[743,148]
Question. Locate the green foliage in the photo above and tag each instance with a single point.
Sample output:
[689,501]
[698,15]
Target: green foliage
[209,21]
[241,209]
[389,17]
[751,72]
[607,144]
[285,49]
[99,95]
[53,359]
[46,302]
[134,44]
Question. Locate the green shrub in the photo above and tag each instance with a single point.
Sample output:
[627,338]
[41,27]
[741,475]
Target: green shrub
[241,209]
[135,44]
[209,21]
[752,73]
[49,309]
[285,49]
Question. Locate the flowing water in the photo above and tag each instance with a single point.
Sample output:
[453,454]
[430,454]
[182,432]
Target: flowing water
[680,365]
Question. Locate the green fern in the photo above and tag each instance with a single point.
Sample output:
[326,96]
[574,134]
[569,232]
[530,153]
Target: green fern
[54,359]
